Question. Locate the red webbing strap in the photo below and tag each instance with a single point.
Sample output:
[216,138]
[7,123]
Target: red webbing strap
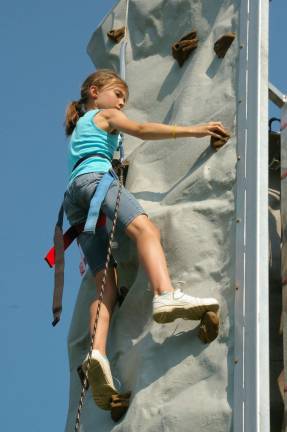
[59,267]
[59,274]
[69,236]
[56,257]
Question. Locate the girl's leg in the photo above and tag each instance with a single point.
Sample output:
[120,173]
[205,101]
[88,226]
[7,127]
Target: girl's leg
[107,306]
[100,375]
[147,238]
[172,304]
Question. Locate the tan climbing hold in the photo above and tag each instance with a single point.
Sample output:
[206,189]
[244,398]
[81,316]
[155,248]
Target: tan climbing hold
[182,49]
[119,405]
[216,143]
[222,45]
[209,327]
[116,35]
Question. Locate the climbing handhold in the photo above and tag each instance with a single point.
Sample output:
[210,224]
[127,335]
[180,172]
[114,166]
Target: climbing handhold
[216,143]
[119,405]
[222,45]
[116,35]
[183,48]
[209,326]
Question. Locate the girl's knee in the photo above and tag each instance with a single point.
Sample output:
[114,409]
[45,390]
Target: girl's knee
[155,230]
[141,225]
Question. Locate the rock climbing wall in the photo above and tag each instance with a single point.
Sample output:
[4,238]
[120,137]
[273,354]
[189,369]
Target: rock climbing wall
[177,382]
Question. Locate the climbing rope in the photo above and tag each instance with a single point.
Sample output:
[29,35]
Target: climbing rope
[104,279]
[103,284]
[123,45]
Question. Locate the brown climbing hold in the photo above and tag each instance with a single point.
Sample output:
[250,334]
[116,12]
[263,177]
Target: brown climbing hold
[216,143]
[116,166]
[183,48]
[119,405]
[222,45]
[209,326]
[116,35]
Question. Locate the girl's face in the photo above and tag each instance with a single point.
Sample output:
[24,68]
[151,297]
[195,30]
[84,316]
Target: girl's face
[112,96]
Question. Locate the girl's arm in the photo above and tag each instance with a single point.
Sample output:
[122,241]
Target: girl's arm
[155,131]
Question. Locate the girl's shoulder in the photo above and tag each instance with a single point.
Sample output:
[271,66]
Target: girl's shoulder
[91,113]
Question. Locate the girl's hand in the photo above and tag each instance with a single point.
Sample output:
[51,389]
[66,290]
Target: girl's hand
[214,129]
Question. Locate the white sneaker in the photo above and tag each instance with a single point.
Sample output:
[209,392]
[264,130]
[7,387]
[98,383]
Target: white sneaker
[100,379]
[175,304]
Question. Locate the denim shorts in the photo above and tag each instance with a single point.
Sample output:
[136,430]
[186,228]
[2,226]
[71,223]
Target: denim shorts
[76,205]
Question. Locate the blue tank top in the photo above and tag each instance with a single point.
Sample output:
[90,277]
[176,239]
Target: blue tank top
[88,139]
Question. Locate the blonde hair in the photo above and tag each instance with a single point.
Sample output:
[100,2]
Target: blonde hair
[101,78]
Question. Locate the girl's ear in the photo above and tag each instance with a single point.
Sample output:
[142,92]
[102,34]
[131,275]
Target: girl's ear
[93,91]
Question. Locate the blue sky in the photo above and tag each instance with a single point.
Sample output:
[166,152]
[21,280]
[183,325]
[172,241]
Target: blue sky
[43,62]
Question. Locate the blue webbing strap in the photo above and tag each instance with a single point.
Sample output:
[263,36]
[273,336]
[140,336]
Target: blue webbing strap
[96,201]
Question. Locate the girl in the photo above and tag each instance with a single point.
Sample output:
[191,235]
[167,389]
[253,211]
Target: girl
[94,123]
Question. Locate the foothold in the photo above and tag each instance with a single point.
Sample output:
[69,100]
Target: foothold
[182,49]
[119,405]
[116,35]
[222,45]
[209,327]
[216,143]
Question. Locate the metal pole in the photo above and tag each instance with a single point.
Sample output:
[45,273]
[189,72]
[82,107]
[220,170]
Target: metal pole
[251,373]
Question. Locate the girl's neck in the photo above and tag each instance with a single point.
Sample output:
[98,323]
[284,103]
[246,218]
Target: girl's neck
[91,106]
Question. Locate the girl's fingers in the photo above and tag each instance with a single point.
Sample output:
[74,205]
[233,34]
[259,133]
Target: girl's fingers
[221,130]
[215,135]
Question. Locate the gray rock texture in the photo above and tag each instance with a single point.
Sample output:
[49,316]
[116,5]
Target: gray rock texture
[177,383]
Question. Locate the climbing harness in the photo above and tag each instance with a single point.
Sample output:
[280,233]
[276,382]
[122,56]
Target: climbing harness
[61,241]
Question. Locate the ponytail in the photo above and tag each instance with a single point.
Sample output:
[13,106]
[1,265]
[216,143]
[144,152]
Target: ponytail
[74,111]
[101,79]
